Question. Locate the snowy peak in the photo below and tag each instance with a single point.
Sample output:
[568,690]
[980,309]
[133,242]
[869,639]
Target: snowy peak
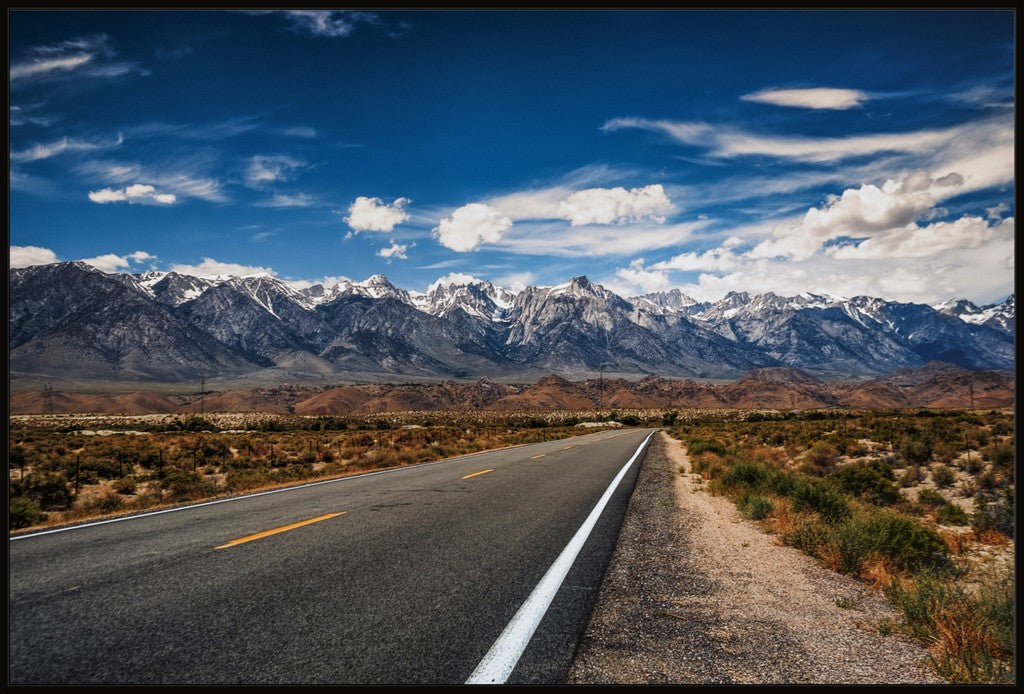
[175,289]
[998,316]
[477,298]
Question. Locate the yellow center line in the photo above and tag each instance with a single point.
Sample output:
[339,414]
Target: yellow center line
[567,448]
[482,472]
[541,455]
[275,531]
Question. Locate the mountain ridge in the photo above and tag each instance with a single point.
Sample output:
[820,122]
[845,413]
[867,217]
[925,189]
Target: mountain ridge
[76,321]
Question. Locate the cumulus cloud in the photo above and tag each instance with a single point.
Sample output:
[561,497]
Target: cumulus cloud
[815,98]
[373,214]
[456,279]
[395,250]
[135,193]
[265,169]
[938,238]
[859,212]
[615,205]
[111,262]
[24,256]
[471,225]
[968,257]
[647,280]
[214,269]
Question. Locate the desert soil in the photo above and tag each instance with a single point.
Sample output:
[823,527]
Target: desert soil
[697,594]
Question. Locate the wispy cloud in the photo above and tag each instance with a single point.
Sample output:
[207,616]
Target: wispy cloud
[813,98]
[265,169]
[724,141]
[324,23]
[183,178]
[283,200]
[65,144]
[83,57]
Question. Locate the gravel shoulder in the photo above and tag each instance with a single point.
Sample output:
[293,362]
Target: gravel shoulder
[697,594]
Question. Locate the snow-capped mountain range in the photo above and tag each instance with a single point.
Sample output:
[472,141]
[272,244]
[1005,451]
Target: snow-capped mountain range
[71,320]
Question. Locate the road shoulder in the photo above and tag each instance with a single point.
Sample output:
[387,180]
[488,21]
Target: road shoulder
[696,594]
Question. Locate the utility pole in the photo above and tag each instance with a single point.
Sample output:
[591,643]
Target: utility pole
[600,389]
[202,396]
[47,399]
[970,389]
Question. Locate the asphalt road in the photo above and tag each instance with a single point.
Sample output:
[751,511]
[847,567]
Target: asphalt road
[412,582]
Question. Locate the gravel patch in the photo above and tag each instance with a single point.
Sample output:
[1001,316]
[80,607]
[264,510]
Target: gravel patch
[697,594]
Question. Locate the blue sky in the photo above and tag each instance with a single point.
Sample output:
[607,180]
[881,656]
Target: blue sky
[840,152]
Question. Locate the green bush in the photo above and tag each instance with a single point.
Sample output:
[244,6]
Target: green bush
[930,497]
[867,481]
[943,475]
[698,446]
[995,513]
[951,514]
[24,512]
[811,495]
[916,450]
[758,507]
[49,489]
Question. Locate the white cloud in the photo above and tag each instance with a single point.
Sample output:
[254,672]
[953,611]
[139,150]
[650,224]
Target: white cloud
[471,225]
[214,269]
[52,149]
[24,256]
[724,141]
[326,23]
[284,200]
[860,212]
[615,205]
[135,193]
[372,214]
[42,66]
[938,238]
[997,211]
[111,262]
[395,250]
[457,279]
[516,281]
[180,178]
[89,56]
[647,280]
[303,131]
[964,258]
[815,98]
[591,241]
[264,169]
[107,263]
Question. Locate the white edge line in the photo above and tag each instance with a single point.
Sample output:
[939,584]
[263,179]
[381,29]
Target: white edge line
[498,663]
[242,497]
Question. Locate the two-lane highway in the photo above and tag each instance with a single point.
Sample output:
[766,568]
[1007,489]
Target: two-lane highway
[425,574]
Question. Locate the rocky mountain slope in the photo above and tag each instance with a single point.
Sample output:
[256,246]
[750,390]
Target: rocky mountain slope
[69,320]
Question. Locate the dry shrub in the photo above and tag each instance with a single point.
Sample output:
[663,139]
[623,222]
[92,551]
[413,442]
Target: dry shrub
[993,537]
[784,519]
[878,571]
[958,543]
[767,455]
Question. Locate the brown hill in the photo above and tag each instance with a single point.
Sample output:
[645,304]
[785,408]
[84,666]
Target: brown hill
[936,385]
